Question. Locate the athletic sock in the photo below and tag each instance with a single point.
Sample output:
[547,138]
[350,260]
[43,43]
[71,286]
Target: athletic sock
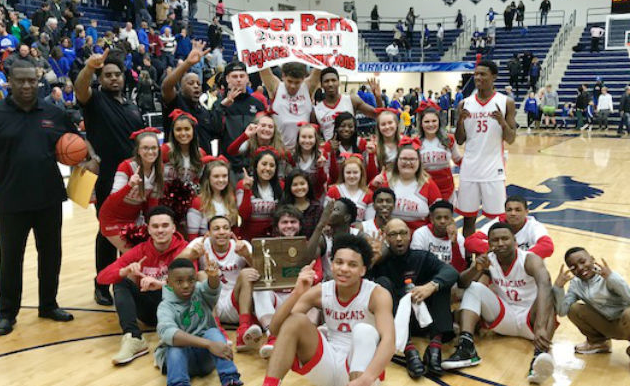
[409,347]
[437,341]
[245,319]
[271,381]
[466,340]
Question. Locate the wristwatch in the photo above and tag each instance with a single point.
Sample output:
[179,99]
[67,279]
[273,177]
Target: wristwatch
[435,284]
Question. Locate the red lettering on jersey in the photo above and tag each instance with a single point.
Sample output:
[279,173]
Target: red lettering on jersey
[407,205]
[344,327]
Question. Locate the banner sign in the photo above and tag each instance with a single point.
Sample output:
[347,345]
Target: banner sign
[318,39]
[417,67]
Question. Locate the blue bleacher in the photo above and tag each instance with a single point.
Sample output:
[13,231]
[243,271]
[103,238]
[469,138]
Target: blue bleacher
[107,19]
[379,40]
[538,41]
[584,67]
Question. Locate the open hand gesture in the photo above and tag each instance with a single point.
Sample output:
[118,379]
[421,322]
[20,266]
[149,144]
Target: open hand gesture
[247,180]
[564,277]
[149,283]
[135,268]
[97,60]
[240,246]
[603,270]
[250,130]
[231,96]
[374,85]
[197,53]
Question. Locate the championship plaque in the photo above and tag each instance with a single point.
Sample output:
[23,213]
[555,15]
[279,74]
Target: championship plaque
[278,261]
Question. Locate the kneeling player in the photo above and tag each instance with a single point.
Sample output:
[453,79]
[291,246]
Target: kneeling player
[518,302]
[357,313]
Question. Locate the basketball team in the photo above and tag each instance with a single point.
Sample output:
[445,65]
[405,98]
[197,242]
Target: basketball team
[384,258]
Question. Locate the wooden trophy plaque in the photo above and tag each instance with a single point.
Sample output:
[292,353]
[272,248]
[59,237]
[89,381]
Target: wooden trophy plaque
[278,261]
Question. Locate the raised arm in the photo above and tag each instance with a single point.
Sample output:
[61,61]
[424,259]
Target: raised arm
[83,83]
[313,80]
[270,81]
[463,114]
[170,82]
[478,269]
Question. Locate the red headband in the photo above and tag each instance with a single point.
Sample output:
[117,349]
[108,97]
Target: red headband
[175,114]
[380,110]
[268,112]
[349,155]
[414,142]
[305,123]
[266,148]
[145,130]
[210,158]
[427,105]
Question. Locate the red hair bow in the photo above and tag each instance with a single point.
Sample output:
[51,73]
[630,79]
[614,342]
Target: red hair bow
[266,148]
[349,155]
[414,142]
[427,105]
[268,112]
[380,110]
[305,123]
[338,113]
[145,130]
[175,114]
[210,158]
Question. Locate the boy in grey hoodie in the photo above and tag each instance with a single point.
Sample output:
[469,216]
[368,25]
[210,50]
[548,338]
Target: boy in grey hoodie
[604,313]
[190,343]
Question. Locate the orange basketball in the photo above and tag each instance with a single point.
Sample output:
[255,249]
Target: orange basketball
[70,149]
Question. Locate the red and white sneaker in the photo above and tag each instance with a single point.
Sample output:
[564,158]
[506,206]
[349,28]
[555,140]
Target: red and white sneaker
[248,337]
[267,349]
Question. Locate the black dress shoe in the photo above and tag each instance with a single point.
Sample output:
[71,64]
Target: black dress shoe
[413,364]
[6,326]
[103,297]
[432,360]
[57,315]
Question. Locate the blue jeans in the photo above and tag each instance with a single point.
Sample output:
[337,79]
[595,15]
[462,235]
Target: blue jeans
[543,19]
[184,362]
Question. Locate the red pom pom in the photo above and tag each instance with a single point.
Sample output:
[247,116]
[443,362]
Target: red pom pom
[179,197]
[134,234]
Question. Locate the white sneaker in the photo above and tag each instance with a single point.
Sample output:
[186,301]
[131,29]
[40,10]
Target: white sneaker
[542,368]
[131,348]
[252,335]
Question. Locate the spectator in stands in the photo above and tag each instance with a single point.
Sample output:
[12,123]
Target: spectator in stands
[169,47]
[549,105]
[129,35]
[395,103]
[426,34]
[40,62]
[216,57]
[220,10]
[604,108]
[55,98]
[39,17]
[530,107]
[8,42]
[514,69]
[596,32]
[214,34]
[544,8]
[490,15]
[398,31]
[162,9]
[367,96]
[596,90]
[526,61]
[535,71]
[521,11]
[384,97]
[410,20]
[459,19]
[42,45]
[68,96]
[146,88]
[141,13]
[52,30]
[582,100]
[440,35]
[509,92]
[23,53]
[59,63]
[43,86]
[624,112]
[92,31]
[444,102]
[184,45]
[490,47]
[509,14]
[374,18]
[143,38]
[393,52]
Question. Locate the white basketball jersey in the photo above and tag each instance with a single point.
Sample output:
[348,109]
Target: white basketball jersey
[341,318]
[527,236]
[291,109]
[423,239]
[483,158]
[515,287]
[326,259]
[369,227]
[230,263]
[324,114]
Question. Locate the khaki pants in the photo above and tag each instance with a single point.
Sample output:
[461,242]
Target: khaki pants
[596,327]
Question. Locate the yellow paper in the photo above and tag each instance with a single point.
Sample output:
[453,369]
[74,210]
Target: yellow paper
[80,186]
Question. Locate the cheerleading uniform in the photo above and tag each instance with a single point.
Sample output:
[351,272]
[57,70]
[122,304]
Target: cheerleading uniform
[436,160]
[185,174]
[196,219]
[362,199]
[317,175]
[256,212]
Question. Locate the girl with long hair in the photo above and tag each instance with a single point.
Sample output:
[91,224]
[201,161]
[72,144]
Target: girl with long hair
[309,158]
[382,148]
[181,155]
[259,193]
[138,185]
[299,193]
[352,185]
[216,197]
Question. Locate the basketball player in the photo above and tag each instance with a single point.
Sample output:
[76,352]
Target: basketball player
[324,112]
[291,97]
[531,235]
[518,302]
[441,236]
[383,202]
[486,119]
[357,313]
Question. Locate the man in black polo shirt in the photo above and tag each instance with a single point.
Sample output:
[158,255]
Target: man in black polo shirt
[31,193]
[187,98]
[432,279]
[109,121]
[235,111]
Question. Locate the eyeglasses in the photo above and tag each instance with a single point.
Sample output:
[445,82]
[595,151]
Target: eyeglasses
[148,148]
[396,234]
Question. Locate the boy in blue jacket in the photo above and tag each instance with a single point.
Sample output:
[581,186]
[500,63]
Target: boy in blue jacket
[530,107]
[190,343]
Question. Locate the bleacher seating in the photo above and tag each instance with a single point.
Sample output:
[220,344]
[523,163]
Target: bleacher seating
[537,40]
[584,67]
[107,19]
[379,40]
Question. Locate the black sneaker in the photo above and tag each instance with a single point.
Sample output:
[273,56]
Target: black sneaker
[413,364]
[432,360]
[463,357]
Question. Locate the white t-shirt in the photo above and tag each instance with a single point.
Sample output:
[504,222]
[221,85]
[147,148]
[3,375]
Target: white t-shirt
[423,239]
[291,109]
[324,114]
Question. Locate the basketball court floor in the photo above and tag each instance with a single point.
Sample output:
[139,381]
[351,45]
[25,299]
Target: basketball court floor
[577,183]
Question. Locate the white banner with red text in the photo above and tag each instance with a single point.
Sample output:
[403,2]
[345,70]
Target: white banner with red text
[318,39]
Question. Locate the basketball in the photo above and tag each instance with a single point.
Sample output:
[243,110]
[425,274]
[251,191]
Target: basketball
[70,149]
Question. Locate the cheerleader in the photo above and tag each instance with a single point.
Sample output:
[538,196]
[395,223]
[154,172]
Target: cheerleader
[258,195]
[182,156]
[387,139]
[216,197]
[299,193]
[308,157]
[437,150]
[345,140]
[413,187]
[137,187]
[352,185]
